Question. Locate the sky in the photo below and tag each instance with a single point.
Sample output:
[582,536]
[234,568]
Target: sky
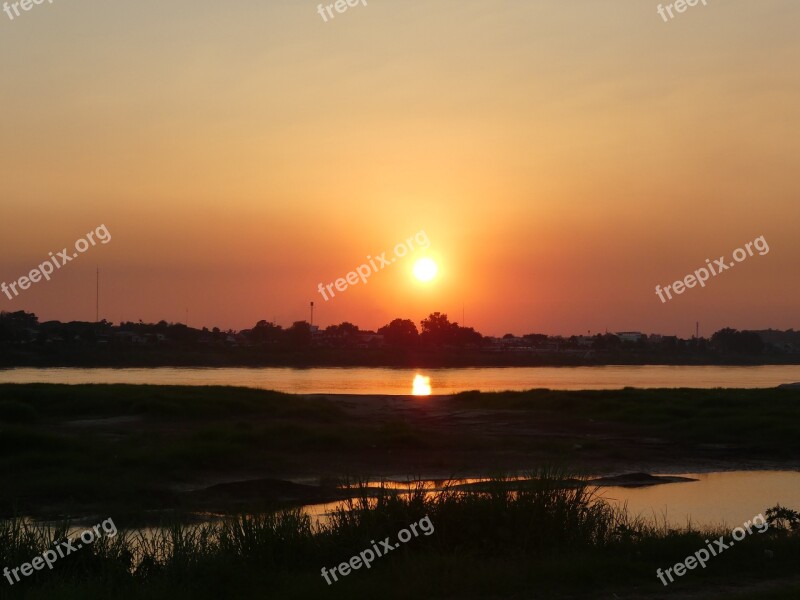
[563,159]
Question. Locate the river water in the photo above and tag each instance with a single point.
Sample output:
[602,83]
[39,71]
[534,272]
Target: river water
[727,498]
[420,381]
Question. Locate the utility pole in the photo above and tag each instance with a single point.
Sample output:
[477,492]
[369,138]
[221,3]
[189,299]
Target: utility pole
[312,314]
[97,298]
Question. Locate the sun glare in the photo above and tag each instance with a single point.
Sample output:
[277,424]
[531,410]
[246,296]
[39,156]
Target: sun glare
[421,386]
[425,269]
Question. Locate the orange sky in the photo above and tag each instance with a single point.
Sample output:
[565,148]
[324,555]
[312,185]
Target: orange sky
[563,158]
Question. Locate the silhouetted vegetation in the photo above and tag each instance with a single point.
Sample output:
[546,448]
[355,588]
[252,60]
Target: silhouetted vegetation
[739,342]
[438,342]
[79,448]
[555,535]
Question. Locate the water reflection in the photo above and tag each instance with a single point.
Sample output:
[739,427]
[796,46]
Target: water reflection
[729,497]
[421,385]
[372,380]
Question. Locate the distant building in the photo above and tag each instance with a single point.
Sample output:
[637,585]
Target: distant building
[630,336]
[368,339]
[129,337]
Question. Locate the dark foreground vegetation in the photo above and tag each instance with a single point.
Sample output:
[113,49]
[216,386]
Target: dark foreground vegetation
[550,540]
[120,449]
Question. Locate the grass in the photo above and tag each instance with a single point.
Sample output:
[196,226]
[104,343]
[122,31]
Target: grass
[79,449]
[85,445]
[557,539]
[755,421]
[32,402]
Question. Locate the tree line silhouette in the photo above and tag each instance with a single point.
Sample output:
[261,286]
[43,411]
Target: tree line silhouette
[437,341]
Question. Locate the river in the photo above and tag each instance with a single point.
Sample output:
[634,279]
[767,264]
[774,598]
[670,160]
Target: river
[713,499]
[437,381]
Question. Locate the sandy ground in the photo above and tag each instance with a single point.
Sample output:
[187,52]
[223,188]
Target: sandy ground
[504,441]
[471,443]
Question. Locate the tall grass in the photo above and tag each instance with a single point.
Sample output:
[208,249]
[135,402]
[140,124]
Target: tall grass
[553,516]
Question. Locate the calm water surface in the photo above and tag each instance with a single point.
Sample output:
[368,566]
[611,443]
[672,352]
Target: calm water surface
[421,381]
[729,498]
[723,498]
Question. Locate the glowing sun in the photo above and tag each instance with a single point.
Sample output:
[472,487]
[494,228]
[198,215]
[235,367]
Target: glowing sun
[425,269]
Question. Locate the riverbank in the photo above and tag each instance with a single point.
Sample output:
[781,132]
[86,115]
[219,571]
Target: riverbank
[88,448]
[197,356]
[550,540]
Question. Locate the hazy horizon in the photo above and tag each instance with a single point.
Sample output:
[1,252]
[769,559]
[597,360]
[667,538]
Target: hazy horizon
[563,160]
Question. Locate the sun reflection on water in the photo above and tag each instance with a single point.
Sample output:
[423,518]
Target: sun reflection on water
[421,386]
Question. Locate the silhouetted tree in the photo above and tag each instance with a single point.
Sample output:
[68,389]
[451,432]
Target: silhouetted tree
[342,329]
[299,335]
[465,336]
[400,333]
[606,341]
[341,335]
[264,333]
[16,326]
[739,342]
[436,329]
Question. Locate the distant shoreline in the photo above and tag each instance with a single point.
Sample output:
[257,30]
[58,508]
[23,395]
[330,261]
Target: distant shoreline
[81,357]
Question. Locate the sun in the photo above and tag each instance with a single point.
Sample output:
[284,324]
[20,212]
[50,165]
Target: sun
[425,269]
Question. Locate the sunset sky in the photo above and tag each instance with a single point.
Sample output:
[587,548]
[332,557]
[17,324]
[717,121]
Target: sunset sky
[562,157]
